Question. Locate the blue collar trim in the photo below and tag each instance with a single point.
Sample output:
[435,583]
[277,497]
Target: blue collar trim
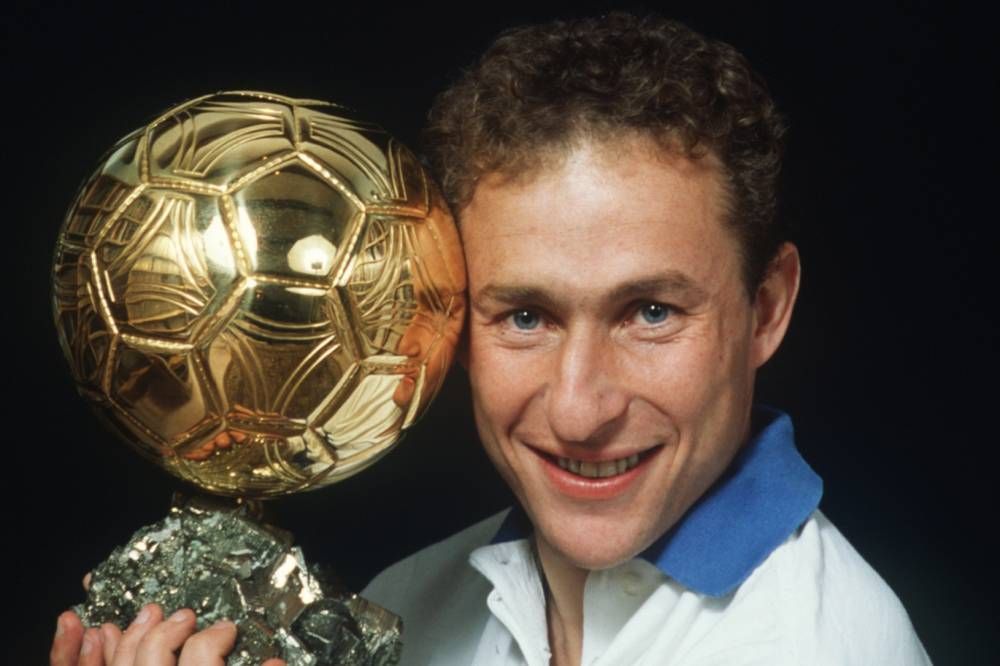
[765,495]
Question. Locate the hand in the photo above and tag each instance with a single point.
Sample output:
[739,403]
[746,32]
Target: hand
[148,641]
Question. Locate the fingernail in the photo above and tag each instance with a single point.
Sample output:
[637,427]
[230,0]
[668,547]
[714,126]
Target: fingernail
[142,616]
[180,615]
[88,644]
[223,623]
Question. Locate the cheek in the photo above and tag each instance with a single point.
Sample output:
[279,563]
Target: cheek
[699,373]
[718,395]
[678,375]
[495,408]
[493,384]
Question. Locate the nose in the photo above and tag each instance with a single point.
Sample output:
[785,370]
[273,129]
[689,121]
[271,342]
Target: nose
[586,399]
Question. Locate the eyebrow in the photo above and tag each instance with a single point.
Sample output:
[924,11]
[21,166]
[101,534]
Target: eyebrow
[672,284]
[517,295]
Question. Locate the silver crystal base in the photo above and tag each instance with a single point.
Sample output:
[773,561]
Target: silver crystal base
[217,559]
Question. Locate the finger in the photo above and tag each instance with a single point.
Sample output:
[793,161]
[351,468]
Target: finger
[148,617]
[273,662]
[67,641]
[111,636]
[91,652]
[209,646]
[158,646]
[87,577]
[404,392]
[201,453]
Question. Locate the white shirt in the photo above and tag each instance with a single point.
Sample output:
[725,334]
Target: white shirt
[753,574]
[814,601]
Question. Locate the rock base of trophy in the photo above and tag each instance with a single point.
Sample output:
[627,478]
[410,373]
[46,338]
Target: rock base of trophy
[215,557]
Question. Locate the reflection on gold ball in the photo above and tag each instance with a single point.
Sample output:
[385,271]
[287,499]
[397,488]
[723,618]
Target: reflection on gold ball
[259,293]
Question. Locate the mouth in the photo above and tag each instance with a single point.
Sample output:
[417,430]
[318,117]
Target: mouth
[599,470]
[595,479]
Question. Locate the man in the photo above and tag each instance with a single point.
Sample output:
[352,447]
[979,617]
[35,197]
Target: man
[614,181]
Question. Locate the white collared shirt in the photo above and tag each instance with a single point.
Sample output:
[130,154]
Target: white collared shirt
[813,601]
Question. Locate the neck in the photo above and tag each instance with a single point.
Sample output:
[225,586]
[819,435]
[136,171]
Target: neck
[564,583]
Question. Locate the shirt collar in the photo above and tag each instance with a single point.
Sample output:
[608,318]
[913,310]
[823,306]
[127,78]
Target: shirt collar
[765,495]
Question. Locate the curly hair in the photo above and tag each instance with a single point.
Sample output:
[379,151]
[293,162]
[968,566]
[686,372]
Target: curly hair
[538,90]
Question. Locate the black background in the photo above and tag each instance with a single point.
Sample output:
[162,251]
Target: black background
[889,368]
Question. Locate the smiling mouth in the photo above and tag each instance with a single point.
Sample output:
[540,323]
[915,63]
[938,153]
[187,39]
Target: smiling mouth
[596,480]
[599,469]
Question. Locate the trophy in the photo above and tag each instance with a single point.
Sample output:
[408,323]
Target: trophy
[259,294]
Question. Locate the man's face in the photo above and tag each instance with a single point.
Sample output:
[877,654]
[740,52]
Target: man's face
[611,343]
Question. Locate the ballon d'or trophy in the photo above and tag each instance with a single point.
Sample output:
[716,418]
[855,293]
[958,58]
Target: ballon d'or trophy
[260,294]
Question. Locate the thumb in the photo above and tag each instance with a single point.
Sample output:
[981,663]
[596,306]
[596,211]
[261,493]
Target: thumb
[210,646]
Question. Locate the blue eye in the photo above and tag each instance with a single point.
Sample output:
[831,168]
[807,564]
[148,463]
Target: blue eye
[526,320]
[654,313]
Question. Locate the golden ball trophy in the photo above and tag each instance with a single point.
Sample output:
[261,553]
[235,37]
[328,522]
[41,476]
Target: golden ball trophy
[260,294]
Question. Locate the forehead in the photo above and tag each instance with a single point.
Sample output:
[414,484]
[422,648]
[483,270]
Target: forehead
[605,212]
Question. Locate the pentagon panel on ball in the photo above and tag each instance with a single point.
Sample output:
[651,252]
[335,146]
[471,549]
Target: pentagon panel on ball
[259,293]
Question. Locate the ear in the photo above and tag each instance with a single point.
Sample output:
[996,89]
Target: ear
[773,303]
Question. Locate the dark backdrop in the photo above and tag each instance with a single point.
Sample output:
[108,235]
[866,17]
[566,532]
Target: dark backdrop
[888,370]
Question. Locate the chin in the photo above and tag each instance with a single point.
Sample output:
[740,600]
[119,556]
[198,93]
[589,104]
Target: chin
[597,556]
[602,546]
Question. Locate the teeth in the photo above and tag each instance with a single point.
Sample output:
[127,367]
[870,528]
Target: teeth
[599,470]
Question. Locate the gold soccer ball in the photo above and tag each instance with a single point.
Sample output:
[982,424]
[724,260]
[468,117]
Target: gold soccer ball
[259,293]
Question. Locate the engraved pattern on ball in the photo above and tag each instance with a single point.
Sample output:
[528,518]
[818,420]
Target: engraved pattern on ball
[259,293]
